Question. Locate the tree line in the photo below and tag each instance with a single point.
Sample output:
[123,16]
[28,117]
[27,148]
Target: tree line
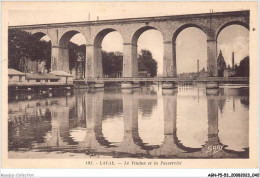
[241,70]
[23,46]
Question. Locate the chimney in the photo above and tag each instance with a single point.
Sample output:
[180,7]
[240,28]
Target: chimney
[233,60]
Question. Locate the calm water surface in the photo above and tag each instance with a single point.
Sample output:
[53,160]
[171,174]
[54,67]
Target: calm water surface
[188,122]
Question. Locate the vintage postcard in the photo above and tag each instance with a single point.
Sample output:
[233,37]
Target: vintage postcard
[129,85]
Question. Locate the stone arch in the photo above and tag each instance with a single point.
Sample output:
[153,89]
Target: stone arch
[183,147]
[176,34]
[40,34]
[60,53]
[102,34]
[132,57]
[230,23]
[183,27]
[139,142]
[239,24]
[66,37]
[101,139]
[139,32]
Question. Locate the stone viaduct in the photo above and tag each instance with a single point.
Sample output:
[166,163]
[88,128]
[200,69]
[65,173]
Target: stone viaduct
[130,29]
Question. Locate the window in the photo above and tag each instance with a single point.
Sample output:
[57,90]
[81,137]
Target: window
[20,78]
[10,77]
[46,80]
[38,80]
[54,80]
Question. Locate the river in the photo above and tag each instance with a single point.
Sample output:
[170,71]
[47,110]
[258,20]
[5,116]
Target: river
[148,122]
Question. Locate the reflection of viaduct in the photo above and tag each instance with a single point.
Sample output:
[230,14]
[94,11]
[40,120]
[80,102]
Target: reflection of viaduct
[132,144]
[34,119]
[130,29]
[37,107]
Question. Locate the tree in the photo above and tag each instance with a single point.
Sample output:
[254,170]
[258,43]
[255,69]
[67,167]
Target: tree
[73,48]
[112,63]
[46,47]
[23,46]
[243,69]
[221,104]
[77,52]
[147,63]
[221,64]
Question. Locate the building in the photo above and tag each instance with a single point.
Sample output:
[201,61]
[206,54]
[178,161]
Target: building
[43,79]
[15,76]
[143,74]
[203,73]
[64,77]
[57,79]
[229,72]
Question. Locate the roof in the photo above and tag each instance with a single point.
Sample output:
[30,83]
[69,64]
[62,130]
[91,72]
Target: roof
[14,72]
[41,76]
[61,73]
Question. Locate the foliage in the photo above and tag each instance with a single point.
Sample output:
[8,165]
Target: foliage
[46,49]
[147,63]
[23,46]
[221,64]
[221,104]
[74,51]
[243,69]
[112,63]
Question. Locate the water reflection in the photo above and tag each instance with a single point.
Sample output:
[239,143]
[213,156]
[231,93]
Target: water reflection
[192,125]
[187,122]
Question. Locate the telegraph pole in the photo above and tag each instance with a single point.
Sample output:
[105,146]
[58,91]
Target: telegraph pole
[198,67]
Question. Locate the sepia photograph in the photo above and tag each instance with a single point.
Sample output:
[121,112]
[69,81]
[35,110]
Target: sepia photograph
[129,84]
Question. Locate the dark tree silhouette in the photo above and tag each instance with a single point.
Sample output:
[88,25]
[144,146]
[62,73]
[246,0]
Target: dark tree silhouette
[74,52]
[112,63]
[147,63]
[243,69]
[221,64]
[24,46]
[221,104]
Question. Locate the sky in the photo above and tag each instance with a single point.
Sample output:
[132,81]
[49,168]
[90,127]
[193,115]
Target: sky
[190,44]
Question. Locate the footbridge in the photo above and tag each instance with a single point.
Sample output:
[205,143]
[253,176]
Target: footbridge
[170,79]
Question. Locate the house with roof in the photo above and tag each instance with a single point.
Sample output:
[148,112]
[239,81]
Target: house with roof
[65,77]
[15,76]
[56,78]
[46,78]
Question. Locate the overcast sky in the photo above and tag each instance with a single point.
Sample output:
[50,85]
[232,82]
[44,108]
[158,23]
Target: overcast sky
[191,42]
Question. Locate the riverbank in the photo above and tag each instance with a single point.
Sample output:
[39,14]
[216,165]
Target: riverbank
[50,155]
